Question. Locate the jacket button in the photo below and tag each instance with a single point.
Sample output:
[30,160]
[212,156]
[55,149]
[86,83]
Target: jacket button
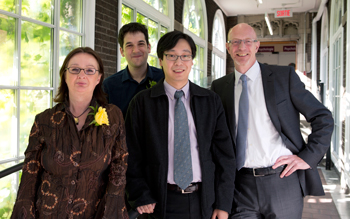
[73,182]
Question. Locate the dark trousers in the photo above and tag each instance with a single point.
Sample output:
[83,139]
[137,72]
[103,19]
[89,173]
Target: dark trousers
[267,197]
[182,206]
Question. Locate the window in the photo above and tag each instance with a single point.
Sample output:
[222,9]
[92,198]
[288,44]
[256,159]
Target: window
[335,101]
[35,37]
[195,23]
[160,5]
[219,49]
[152,13]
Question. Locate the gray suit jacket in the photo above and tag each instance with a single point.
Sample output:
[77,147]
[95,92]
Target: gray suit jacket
[286,97]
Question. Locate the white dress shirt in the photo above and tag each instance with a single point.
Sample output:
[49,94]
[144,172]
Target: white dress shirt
[196,168]
[264,144]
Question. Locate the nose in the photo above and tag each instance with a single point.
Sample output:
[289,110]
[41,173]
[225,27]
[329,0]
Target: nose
[135,49]
[81,74]
[242,44]
[178,61]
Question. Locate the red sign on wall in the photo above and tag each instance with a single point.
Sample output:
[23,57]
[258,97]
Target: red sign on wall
[289,48]
[283,13]
[266,49]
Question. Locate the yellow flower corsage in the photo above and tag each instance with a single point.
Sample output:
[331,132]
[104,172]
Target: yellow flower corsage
[100,116]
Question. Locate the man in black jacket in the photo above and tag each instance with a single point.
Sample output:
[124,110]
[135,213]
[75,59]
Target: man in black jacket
[156,164]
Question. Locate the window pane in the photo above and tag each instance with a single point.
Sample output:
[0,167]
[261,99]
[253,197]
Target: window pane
[127,14]
[32,102]
[8,191]
[123,63]
[153,35]
[163,6]
[8,124]
[71,14]
[163,30]
[141,19]
[8,5]
[152,3]
[35,55]
[41,10]
[193,17]
[68,42]
[8,56]
[152,61]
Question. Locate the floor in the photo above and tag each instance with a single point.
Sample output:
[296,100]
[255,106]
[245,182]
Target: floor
[336,202]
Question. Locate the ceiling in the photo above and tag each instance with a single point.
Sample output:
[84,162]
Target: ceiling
[248,7]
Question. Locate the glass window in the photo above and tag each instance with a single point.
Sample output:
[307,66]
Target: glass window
[193,17]
[160,5]
[337,8]
[194,21]
[219,49]
[30,67]
[155,31]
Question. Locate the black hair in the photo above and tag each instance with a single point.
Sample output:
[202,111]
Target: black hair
[169,41]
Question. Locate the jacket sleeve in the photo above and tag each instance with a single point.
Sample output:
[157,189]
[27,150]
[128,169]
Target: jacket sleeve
[137,189]
[317,115]
[224,159]
[113,203]
[26,197]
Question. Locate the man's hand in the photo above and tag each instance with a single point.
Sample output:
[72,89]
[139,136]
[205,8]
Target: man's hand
[293,163]
[220,214]
[146,208]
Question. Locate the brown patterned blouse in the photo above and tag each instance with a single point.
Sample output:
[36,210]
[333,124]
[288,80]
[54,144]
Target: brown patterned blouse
[73,174]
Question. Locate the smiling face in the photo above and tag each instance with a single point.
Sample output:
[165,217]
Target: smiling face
[81,83]
[135,49]
[176,72]
[243,56]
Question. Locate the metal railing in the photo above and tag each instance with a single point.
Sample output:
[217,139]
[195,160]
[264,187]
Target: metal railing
[132,214]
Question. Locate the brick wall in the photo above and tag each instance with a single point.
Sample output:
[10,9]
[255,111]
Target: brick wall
[106,34]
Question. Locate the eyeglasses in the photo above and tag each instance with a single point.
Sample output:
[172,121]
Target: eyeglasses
[237,42]
[171,57]
[87,71]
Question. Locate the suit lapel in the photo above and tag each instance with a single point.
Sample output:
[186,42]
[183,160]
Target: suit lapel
[268,80]
[230,105]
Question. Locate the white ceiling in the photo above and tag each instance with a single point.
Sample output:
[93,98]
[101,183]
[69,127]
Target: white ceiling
[246,7]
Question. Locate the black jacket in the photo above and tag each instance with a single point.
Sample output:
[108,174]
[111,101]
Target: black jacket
[147,140]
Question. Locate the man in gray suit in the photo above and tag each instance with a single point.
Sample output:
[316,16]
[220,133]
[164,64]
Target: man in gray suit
[275,167]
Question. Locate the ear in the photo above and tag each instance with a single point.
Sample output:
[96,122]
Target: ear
[98,79]
[160,62]
[257,46]
[121,51]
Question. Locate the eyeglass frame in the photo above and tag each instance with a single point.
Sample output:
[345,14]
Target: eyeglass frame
[240,41]
[166,56]
[83,70]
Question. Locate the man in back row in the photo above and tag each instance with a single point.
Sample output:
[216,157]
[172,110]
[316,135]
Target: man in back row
[125,84]
[275,167]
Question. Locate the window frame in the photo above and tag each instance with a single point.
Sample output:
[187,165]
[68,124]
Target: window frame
[198,40]
[336,82]
[216,51]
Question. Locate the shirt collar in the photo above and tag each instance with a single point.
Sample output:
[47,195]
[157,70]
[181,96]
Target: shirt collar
[126,74]
[251,74]
[170,90]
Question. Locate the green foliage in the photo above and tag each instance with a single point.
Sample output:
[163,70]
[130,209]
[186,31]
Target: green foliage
[8,5]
